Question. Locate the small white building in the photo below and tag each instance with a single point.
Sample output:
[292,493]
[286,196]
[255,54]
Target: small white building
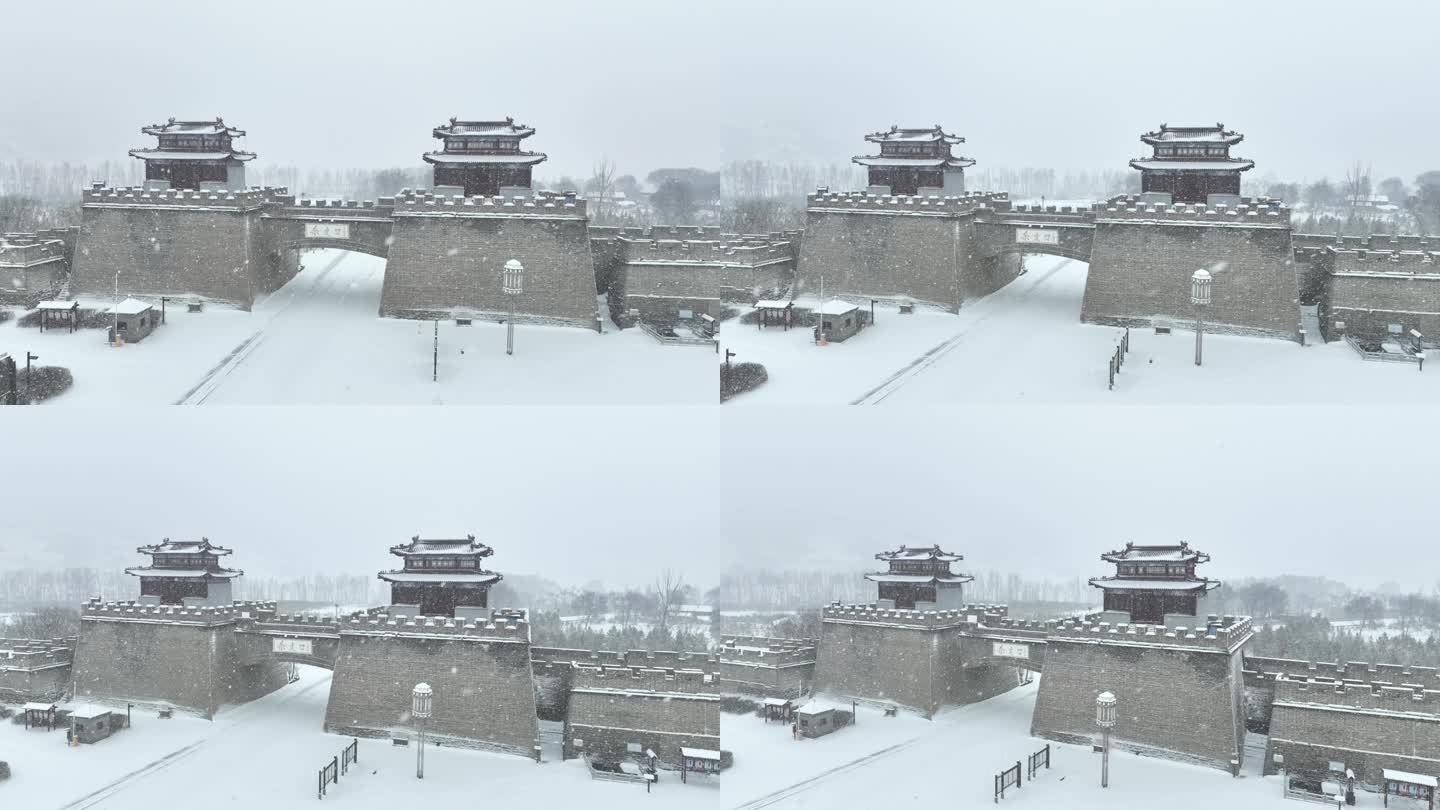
[839,320]
[134,319]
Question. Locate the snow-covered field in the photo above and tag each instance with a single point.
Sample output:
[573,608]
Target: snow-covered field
[266,754]
[1383,628]
[1026,343]
[319,341]
[950,762]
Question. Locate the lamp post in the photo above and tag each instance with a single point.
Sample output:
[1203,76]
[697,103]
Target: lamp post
[1105,719]
[115,326]
[872,311]
[1200,298]
[163,301]
[420,710]
[514,286]
[29,380]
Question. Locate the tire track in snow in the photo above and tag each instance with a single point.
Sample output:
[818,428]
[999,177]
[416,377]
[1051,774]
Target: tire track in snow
[896,381]
[802,786]
[216,376]
[239,716]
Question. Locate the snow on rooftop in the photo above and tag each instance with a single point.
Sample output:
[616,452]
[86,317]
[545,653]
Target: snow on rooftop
[60,305]
[1153,584]
[768,304]
[1217,165]
[130,306]
[699,753]
[836,307]
[1411,778]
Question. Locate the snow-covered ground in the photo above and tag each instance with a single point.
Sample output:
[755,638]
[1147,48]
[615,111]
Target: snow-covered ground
[266,754]
[1025,343]
[320,341]
[951,762]
[1382,628]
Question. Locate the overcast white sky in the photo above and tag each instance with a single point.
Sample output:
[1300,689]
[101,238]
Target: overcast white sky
[571,494]
[1337,492]
[1054,83]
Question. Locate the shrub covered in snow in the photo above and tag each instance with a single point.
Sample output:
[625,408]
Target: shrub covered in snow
[739,378]
[43,382]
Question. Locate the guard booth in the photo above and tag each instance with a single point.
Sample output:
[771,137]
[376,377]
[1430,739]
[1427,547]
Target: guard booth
[91,724]
[134,319]
[1410,785]
[818,719]
[839,320]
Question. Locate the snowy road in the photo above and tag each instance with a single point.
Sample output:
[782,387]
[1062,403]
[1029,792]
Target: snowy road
[319,340]
[1026,344]
[951,762]
[266,754]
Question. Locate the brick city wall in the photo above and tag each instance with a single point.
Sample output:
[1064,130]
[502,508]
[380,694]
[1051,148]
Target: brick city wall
[770,667]
[662,710]
[34,669]
[481,674]
[1173,701]
[207,244]
[1366,726]
[918,664]
[1370,290]
[182,657]
[448,254]
[1143,258]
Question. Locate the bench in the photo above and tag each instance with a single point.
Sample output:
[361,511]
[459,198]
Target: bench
[194,306]
[890,711]
[907,309]
[165,714]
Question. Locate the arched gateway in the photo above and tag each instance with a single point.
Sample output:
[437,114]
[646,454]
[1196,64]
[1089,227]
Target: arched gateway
[195,229]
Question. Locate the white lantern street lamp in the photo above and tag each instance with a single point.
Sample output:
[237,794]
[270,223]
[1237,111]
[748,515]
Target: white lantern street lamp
[420,709]
[1199,298]
[513,286]
[1105,718]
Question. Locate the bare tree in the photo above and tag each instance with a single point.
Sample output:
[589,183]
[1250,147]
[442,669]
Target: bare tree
[669,591]
[1357,185]
[602,182]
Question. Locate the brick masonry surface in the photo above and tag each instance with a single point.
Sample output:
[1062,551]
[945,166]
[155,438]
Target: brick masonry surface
[1139,271]
[928,258]
[484,694]
[606,722]
[1184,703]
[190,666]
[1313,724]
[438,264]
[920,668]
[215,253]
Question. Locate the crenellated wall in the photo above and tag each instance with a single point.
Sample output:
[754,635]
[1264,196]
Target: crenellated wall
[1377,283]
[1144,256]
[1367,725]
[185,657]
[447,255]
[479,669]
[1181,690]
[659,709]
[771,667]
[35,669]
[918,659]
